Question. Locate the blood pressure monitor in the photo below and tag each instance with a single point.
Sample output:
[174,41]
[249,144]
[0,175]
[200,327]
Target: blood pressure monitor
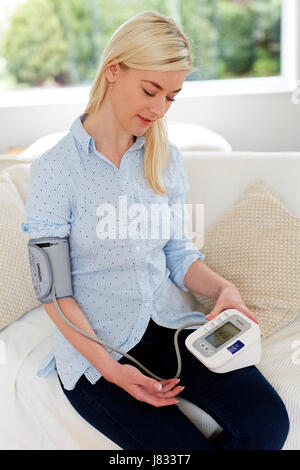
[228,342]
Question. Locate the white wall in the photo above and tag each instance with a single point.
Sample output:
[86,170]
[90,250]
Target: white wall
[268,122]
[251,122]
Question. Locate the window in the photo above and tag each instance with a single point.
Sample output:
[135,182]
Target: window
[54,43]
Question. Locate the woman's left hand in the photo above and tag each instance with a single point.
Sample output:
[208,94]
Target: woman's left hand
[230,298]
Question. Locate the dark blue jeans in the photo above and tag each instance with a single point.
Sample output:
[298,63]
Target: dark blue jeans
[250,412]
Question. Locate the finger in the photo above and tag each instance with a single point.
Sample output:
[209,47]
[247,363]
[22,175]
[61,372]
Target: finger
[158,401]
[154,385]
[151,384]
[159,386]
[165,402]
[174,379]
[153,398]
[249,315]
[169,385]
[171,393]
[213,314]
[210,317]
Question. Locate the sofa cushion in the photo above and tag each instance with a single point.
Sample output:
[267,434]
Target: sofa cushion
[256,245]
[185,135]
[194,137]
[41,145]
[17,295]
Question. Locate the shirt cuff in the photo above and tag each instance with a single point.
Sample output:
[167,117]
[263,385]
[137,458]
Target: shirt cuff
[38,230]
[179,277]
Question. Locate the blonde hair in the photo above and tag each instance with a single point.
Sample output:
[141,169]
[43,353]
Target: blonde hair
[147,41]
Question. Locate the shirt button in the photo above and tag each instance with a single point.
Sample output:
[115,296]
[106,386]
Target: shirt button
[137,248]
[147,305]
[143,274]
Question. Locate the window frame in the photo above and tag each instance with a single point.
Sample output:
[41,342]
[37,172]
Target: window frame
[287,81]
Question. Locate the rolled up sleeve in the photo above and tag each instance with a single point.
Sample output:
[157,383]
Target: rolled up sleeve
[180,251]
[48,209]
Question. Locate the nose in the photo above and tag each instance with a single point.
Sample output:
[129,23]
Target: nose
[158,107]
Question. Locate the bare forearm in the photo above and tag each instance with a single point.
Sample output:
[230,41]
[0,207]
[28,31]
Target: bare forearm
[92,351]
[204,281]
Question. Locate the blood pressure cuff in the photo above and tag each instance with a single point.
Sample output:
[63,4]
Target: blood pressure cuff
[50,263]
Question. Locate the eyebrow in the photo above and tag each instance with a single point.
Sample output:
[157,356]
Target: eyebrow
[158,86]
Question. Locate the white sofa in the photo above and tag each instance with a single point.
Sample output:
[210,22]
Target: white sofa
[35,413]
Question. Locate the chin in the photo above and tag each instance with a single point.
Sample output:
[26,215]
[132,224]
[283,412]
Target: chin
[139,132]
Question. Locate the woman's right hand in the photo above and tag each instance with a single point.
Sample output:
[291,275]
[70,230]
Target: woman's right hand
[145,388]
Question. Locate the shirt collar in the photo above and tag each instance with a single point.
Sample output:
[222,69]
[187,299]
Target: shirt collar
[86,140]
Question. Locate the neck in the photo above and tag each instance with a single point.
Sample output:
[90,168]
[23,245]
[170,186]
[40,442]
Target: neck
[107,134]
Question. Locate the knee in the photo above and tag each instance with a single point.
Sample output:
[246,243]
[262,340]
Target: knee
[282,424]
[274,427]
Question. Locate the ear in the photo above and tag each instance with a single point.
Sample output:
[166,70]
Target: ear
[112,71]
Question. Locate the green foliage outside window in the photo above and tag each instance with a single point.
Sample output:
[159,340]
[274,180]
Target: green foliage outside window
[61,41]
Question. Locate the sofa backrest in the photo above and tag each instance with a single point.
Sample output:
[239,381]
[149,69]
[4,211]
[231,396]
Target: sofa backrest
[217,179]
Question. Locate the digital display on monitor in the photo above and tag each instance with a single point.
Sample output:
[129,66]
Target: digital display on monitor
[222,334]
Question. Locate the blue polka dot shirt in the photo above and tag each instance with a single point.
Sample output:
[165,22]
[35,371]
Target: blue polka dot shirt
[119,282]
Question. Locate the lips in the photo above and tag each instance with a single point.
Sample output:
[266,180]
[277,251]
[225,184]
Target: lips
[145,119]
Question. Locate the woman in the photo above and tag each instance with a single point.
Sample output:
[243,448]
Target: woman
[125,287]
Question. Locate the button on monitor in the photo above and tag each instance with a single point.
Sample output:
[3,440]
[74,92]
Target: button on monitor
[236,347]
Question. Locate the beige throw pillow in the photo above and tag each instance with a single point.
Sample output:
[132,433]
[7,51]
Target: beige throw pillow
[17,295]
[256,246]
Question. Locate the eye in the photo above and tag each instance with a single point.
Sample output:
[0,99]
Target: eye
[149,94]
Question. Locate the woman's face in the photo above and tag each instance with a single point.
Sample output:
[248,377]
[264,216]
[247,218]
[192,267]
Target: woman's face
[132,95]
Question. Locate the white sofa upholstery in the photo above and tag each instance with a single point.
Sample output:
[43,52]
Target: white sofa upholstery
[217,179]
